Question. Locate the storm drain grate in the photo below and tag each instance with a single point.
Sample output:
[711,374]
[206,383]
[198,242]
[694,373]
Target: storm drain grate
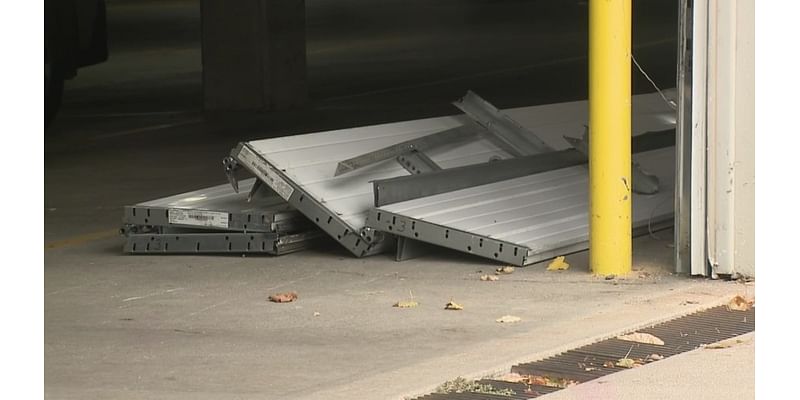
[599,359]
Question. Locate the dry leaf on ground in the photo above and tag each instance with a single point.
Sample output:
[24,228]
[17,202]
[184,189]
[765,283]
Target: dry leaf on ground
[722,345]
[627,363]
[507,319]
[283,297]
[608,364]
[490,278]
[739,303]
[511,377]
[655,357]
[406,304]
[504,270]
[548,381]
[453,306]
[639,337]
[558,264]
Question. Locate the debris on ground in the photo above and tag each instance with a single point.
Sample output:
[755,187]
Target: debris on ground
[640,337]
[316,314]
[406,304]
[558,264]
[610,277]
[507,319]
[609,364]
[655,357]
[739,303]
[722,345]
[490,278]
[453,306]
[628,363]
[287,297]
[539,380]
[511,377]
[504,270]
[644,275]
[687,302]
[461,385]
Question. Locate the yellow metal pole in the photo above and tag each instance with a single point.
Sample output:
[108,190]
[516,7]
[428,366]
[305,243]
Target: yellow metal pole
[610,136]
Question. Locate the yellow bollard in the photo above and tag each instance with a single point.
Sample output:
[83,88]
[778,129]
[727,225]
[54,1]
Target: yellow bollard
[610,136]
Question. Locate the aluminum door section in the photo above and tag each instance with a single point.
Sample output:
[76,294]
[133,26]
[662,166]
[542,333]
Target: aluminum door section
[219,208]
[301,168]
[523,220]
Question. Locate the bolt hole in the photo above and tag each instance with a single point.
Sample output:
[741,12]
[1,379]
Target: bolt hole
[416,234]
[469,248]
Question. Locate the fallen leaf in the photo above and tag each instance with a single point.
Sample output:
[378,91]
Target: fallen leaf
[558,264]
[722,345]
[507,319]
[512,377]
[504,270]
[548,381]
[453,306]
[283,297]
[490,278]
[639,337]
[625,363]
[739,303]
[406,304]
[655,357]
[610,277]
[608,364]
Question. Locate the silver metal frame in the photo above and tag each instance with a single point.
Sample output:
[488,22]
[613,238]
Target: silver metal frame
[267,213]
[394,190]
[516,139]
[352,239]
[218,242]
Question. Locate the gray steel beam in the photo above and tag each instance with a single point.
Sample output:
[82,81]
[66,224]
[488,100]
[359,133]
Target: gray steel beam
[446,137]
[216,242]
[394,190]
[416,162]
[521,140]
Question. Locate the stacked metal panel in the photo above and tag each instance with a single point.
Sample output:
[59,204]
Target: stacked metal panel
[303,171]
[380,187]
[217,220]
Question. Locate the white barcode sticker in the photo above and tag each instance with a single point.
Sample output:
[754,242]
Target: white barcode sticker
[265,172]
[214,219]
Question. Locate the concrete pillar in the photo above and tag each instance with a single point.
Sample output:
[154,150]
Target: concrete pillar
[254,55]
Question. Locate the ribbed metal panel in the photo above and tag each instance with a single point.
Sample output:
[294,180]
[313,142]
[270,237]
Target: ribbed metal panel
[308,162]
[522,220]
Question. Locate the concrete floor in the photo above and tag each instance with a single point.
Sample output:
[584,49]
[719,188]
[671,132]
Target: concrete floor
[182,327]
[189,327]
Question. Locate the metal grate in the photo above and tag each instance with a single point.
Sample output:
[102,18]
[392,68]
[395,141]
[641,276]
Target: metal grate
[679,335]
